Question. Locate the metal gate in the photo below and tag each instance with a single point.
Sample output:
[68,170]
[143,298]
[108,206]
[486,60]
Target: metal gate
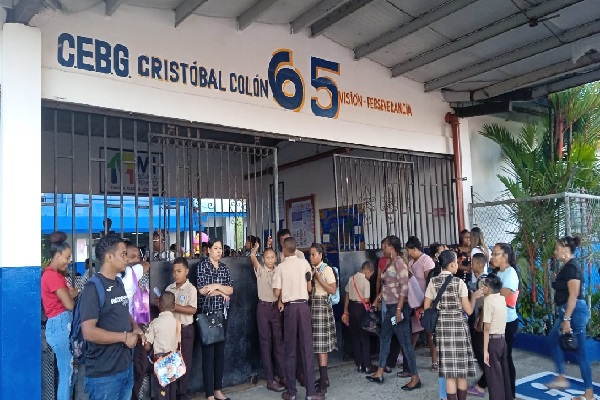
[402,195]
[374,198]
[217,188]
[145,180]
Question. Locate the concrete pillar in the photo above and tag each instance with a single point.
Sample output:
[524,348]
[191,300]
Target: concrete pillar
[20,211]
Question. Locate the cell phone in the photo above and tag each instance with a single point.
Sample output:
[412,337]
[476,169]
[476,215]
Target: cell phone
[156,292]
[394,320]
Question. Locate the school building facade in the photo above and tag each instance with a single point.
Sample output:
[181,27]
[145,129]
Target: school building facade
[205,127]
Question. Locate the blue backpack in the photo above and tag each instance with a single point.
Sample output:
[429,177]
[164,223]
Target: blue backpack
[77,343]
[334,298]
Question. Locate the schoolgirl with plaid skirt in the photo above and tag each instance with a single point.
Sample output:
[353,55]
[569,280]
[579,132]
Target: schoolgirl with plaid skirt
[321,312]
[455,352]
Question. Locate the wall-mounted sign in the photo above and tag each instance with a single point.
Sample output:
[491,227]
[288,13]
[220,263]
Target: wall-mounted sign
[300,218]
[123,168]
[281,81]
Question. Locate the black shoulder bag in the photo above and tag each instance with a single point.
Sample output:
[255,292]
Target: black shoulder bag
[430,316]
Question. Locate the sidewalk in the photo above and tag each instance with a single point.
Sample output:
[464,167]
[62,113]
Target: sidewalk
[347,384]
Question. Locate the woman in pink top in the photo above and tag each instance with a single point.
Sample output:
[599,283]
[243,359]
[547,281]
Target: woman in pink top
[420,264]
[57,299]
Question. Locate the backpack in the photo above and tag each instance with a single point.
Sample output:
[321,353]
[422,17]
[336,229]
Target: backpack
[141,303]
[77,343]
[334,298]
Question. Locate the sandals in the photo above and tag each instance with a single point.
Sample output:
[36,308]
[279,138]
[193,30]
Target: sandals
[434,367]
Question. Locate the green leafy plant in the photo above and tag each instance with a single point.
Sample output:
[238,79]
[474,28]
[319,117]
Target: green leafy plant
[594,325]
[548,157]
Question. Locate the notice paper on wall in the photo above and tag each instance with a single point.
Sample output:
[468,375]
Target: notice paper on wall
[300,215]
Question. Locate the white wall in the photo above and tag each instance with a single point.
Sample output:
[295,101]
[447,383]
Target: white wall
[486,157]
[216,43]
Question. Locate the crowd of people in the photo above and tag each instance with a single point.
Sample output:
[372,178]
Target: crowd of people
[474,290]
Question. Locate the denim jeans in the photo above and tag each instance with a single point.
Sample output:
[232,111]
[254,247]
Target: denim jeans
[58,329]
[403,333]
[579,320]
[113,387]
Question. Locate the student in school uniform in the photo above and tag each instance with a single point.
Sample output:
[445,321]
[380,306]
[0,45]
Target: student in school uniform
[281,236]
[358,292]
[268,318]
[495,354]
[186,302]
[164,334]
[291,285]
[479,268]
[321,311]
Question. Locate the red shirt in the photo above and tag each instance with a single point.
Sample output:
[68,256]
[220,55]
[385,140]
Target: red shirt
[383,262]
[52,280]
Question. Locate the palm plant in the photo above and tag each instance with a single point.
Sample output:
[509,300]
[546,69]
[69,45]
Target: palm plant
[540,162]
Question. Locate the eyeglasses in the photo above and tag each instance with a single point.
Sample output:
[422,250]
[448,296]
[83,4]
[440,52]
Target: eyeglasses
[496,254]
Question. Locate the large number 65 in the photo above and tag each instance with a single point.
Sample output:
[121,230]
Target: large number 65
[324,83]
[281,73]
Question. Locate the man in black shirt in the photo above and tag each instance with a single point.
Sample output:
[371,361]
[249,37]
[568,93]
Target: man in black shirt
[109,330]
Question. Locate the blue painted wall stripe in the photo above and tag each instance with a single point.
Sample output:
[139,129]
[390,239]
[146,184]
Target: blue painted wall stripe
[20,347]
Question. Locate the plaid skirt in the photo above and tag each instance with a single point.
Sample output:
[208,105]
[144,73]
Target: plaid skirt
[323,325]
[454,346]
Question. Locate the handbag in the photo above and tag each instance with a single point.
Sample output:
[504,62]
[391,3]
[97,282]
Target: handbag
[430,316]
[371,320]
[415,293]
[568,341]
[171,367]
[141,304]
[211,324]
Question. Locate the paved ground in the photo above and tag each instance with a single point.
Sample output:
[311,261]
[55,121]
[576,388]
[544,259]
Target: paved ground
[347,384]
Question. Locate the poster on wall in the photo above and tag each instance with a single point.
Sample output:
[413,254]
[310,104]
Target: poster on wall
[300,218]
[349,220]
[123,167]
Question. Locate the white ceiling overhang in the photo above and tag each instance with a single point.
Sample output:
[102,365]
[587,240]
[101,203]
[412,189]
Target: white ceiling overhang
[477,52]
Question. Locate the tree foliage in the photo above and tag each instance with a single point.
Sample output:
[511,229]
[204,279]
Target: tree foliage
[555,155]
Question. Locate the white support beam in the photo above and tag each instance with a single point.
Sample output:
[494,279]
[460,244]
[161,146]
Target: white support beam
[322,8]
[487,32]
[24,11]
[423,20]
[552,42]
[565,84]
[185,9]
[253,13]
[337,15]
[112,5]
[509,85]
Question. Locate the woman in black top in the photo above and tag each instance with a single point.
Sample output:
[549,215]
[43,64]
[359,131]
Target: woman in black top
[215,287]
[573,315]
[463,255]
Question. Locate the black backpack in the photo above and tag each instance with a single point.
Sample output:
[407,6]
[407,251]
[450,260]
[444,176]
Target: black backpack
[77,343]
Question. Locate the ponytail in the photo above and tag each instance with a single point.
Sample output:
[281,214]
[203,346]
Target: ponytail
[571,242]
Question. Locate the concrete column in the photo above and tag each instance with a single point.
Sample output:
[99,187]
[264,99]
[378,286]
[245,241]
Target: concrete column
[20,211]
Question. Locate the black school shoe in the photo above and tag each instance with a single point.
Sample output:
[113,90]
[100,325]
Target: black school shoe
[409,388]
[374,379]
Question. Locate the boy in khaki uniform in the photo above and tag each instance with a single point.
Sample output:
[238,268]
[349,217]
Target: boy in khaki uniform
[494,344]
[164,334]
[268,318]
[291,284]
[186,302]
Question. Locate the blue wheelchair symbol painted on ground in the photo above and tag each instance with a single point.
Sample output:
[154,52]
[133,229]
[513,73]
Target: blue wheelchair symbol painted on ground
[534,387]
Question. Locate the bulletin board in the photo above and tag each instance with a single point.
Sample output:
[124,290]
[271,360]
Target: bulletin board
[348,223]
[300,220]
